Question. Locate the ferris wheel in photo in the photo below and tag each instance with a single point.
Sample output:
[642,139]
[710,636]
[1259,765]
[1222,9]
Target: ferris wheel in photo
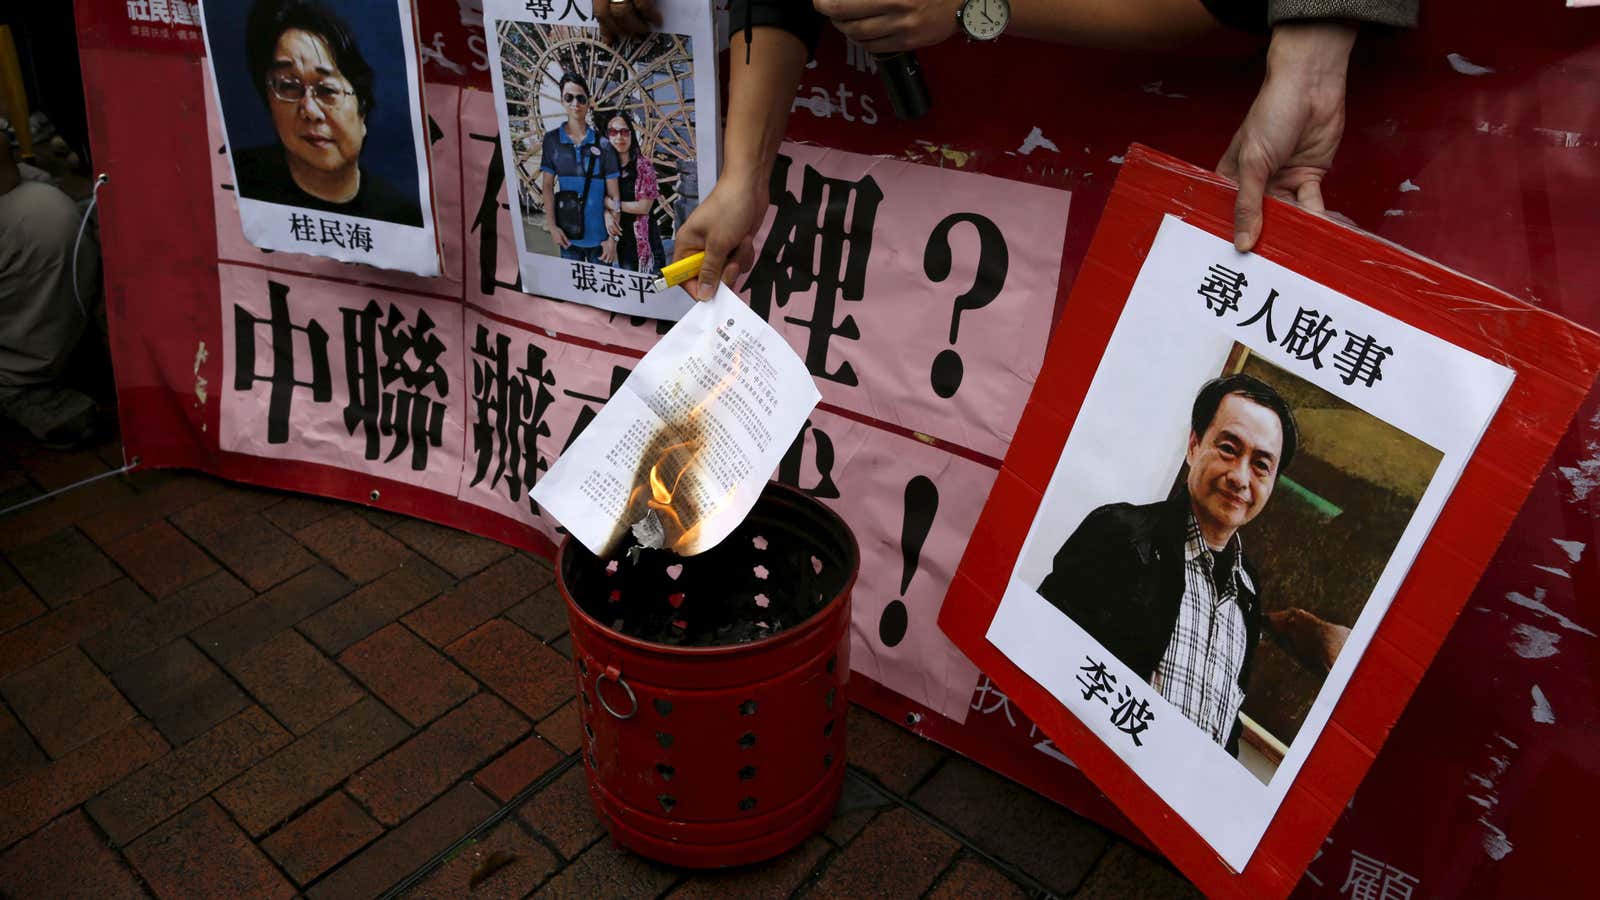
[651,78]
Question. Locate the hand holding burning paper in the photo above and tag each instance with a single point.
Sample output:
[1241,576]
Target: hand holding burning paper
[678,457]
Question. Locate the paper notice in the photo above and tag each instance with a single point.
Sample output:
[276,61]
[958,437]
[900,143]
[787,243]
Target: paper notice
[682,451]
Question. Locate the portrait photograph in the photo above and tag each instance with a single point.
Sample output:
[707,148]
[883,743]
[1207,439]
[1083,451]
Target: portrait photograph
[325,127]
[607,149]
[1255,465]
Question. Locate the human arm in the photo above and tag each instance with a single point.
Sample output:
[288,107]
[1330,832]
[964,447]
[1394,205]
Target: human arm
[1286,143]
[887,26]
[761,86]
[1315,641]
[613,200]
[1081,580]
[645,187]
[547,189]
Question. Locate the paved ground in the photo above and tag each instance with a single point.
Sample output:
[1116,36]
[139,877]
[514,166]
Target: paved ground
[213,690]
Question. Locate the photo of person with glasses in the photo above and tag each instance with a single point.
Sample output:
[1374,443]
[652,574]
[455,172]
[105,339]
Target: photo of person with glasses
[320,93]
[578,177]
[639,246]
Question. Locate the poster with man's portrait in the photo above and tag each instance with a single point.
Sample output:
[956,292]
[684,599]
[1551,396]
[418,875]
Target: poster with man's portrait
[605,148]
[1254,467]
[321,101]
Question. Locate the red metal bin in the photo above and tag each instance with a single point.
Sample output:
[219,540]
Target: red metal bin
[724,755]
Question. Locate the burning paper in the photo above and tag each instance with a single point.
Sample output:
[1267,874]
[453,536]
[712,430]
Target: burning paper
[678,457]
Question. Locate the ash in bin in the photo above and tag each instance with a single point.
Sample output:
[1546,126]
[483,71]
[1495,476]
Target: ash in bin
[650,534]
[763,578]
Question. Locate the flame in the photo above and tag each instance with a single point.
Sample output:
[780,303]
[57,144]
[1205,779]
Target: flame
[667,472]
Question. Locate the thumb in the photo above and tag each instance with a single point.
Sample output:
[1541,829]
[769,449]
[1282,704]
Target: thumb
[711,269]
[1309,195]
[1253,171]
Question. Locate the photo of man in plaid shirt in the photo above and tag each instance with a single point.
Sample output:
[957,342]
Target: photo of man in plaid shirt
[1166,587]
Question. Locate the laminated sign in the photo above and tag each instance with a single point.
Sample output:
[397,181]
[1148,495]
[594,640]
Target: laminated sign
[1247,499]
[323,111]
[605,149]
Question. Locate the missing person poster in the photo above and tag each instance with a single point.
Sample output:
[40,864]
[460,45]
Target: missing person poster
[609,149]
[323,110]
[1255,465]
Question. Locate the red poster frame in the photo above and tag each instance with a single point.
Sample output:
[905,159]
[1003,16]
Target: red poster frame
[1555,363]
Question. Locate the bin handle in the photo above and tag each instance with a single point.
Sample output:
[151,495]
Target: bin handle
[615,674]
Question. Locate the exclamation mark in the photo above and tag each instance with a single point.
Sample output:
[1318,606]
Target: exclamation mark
[922,504]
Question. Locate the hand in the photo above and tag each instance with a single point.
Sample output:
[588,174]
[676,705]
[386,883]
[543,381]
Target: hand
[1285,145]
[608,251]
[724,226]
[887,26]
[562,242]
[1314,641]
[613,227]
[625,18]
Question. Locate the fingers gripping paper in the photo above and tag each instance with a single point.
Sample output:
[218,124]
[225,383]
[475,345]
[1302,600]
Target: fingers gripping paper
[680,454]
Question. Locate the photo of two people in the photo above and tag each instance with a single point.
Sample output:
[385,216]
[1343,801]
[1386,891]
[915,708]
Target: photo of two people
[604,141]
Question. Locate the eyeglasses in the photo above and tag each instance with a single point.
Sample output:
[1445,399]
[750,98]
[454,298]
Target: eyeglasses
[293,90]
[575,98]
[617,132]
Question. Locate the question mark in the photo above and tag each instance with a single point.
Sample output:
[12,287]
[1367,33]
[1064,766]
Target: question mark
[994,260]
[922,504]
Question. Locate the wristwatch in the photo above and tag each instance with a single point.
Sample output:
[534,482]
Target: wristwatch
[983,20]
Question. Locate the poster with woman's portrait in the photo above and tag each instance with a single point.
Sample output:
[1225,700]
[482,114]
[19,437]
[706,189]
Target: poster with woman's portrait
[1256,463]
[606,150]
[321,101]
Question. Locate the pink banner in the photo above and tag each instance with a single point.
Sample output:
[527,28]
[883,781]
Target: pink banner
[918,296]
[911,507]
[530,395]
[343,375]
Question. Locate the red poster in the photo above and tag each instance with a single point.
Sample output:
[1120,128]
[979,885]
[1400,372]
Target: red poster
[1248,497]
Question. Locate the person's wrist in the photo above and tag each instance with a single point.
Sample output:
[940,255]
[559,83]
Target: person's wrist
[1313,49]
[745,184]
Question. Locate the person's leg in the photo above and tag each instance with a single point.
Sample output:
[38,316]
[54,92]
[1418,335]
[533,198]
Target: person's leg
[581,254]
[40,320]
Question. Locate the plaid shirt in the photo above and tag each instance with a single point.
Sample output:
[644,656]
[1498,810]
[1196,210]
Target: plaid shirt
[1199,672]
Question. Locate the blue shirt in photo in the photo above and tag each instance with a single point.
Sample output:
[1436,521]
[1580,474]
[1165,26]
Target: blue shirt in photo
[569,163]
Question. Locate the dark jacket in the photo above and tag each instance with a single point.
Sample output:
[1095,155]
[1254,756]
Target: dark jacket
[263,174]
[1120,578]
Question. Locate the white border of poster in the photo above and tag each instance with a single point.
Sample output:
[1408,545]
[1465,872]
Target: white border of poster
[1431,389]
[358,239]
[583,282]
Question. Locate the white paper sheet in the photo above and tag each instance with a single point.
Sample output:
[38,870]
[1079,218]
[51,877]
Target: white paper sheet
[710,411]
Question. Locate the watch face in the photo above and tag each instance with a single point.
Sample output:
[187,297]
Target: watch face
[983,20]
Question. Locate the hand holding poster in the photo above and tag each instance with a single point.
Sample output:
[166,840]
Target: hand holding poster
[607,149]
[322,106]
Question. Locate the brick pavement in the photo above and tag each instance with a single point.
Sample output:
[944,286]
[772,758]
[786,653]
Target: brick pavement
[209,689]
